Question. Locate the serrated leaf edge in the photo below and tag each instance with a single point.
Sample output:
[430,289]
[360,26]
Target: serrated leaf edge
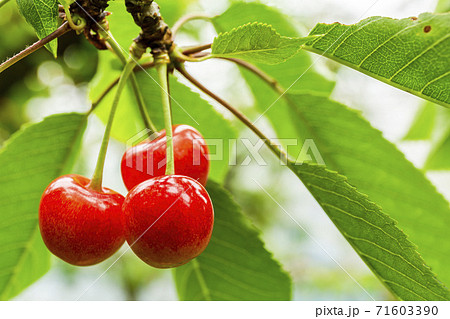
[390,221]
[271,28]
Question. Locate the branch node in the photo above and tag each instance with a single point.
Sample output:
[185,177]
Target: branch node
[155,33]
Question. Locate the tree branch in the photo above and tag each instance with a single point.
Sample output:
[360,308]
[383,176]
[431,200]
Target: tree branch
[35,46]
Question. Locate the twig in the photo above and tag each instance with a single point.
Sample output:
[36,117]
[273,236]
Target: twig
[35,46]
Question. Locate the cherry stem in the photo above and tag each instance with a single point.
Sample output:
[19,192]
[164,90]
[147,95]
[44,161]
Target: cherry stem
[96,183]
[183,20]
[64,28]
[276,149]
[161,67]
[137,92]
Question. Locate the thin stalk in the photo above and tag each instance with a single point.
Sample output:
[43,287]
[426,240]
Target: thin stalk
[137,92]
[35,46]
[97,179]
[183,20]
[3,2]
[196,49]
[272,146]
[162,74]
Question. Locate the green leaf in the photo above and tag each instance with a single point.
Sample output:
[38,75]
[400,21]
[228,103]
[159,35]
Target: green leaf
[349,145]
[423,124]
[258,43]
[29,161]
[235,265]
[412,54]
[42,15]
[373,235]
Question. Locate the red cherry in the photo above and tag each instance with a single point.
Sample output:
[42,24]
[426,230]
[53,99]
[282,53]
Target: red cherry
[148,159]
[168,220]
[78,224]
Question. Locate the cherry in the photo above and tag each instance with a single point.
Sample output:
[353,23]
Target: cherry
[78,224]
[148,159]
[168,220]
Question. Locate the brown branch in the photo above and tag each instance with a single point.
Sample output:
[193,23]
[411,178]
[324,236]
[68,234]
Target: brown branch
[64,28]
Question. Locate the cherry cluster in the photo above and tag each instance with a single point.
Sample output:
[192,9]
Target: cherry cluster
[167,220]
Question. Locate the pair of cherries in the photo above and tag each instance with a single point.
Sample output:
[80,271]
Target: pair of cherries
[167,220]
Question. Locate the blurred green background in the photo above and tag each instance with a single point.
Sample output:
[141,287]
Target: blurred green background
[40,85]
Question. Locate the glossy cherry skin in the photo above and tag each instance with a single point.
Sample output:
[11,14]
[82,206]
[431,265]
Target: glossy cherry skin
[148,159]
[168,220]
[78,224]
